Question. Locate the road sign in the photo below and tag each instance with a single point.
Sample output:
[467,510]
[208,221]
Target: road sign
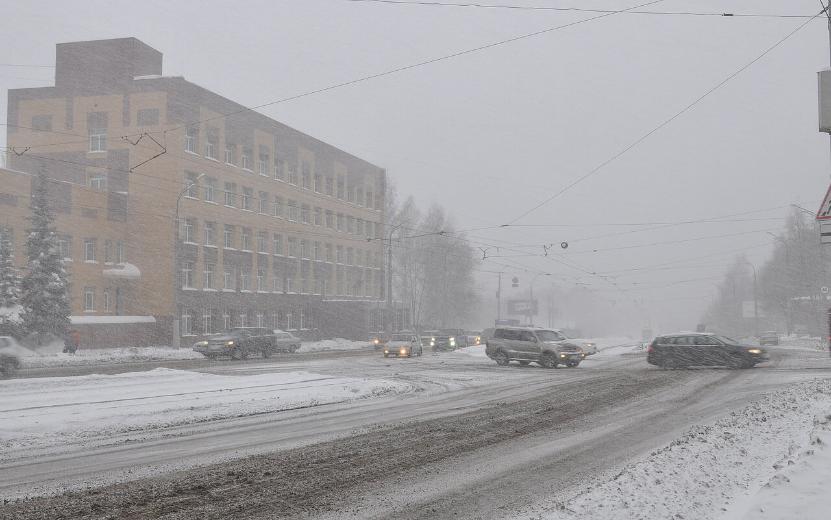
[823,290]
[824,212]
[522,307]
[825,231]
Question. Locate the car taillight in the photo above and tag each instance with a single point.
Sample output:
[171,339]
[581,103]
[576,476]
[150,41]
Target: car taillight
[650,348]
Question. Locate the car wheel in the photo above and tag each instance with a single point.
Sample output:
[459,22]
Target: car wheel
[239,353]
[548,361]
[501,358]
[524,363]
[572,365]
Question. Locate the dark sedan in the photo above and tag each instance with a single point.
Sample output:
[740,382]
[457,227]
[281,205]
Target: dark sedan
[685,350]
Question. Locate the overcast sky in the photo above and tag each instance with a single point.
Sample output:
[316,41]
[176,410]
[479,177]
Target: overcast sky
[492,133]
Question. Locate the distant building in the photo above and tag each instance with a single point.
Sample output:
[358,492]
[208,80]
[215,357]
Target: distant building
[276,228]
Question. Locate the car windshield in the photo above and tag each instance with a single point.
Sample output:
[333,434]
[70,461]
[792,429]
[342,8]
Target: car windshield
[549,335]
[401,337]
[726,340]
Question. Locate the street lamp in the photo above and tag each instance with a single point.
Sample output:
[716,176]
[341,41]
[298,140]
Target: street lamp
[177,339]
[755,299]
[389,275]
[531,297]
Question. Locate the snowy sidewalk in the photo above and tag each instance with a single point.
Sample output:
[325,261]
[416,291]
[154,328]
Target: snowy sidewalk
[769,460]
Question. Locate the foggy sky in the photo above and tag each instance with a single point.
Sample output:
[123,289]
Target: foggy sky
[492,133]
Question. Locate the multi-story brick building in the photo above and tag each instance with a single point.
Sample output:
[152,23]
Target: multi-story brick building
[276,228]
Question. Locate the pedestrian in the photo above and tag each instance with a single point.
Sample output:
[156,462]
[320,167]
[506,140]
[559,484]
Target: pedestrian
[72,342]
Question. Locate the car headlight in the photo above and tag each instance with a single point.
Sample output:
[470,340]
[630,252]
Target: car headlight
[754,351]
[403,351]
[229,343]
[432,343]
[375,341]
[386,351]
[562,355]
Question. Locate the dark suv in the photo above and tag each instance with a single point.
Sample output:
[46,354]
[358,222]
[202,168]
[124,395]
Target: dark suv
[241,342]
[684,350]
[548,348]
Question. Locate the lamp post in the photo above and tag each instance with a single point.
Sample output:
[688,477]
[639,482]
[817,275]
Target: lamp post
[177,286]
[389,276]
[755,299]
[531,297]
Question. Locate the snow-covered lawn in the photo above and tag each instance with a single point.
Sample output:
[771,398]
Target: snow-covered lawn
[710,471]
[51,356]
[52,411]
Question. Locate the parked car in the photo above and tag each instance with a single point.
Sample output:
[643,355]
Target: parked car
[241,342]
[10,354]
[769,338]
[404,345]
[702,349]
[548,348]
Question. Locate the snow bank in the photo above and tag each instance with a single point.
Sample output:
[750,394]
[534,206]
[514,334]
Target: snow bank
[43,412]
[702,473]
[334,344]
[53,357]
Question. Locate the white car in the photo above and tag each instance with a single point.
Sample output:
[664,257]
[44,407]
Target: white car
[10,354]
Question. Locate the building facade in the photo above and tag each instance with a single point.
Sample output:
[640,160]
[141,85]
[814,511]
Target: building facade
[186,212]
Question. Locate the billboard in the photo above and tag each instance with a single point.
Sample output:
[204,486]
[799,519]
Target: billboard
[522,307]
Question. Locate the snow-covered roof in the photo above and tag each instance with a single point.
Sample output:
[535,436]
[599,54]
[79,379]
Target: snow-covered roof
[110,320]
[126,270]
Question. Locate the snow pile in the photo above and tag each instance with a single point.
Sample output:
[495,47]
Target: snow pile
[701,473]
[52,357]
[334,344]
[474,351]
[799,489]
[43,412]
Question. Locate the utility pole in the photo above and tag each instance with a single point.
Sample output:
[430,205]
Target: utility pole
[499,299]
[389,278]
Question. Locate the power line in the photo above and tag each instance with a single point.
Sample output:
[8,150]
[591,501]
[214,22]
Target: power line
[666,122]
[577,9]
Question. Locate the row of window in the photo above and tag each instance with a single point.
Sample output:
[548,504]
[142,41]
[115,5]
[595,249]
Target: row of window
[348,282]
[111,252]
[210,321]
[236,237]
[108,302]
[277,206]
[280,169]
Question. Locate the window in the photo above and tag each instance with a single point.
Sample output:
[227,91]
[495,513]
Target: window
[226,319]
[191,139]
[147,117]
[318,183]
[108,251]
[42,123]
[305,214]
[278,207]
[369,202]
[230,154]
[97,181]
[359,226]
[350,224]
[208,282]
[289,321]
[207,326]
[350,194]
[261,282]
[97,139]
[230,194]
[263,163]
[245,239]
[228,237]
[292,246]
[119,252]
[330,186]
[246,159]
[330,219]
[318,216]
[187,275]
[187,325]
[189,231]
[317,252]
[350,256]
[245,280]
[292,174]
[89,250]
[191,185]
[228,279]
[247,195]
[293,210]
[304,248]
[279,171]
[277,244]
[89,299]
[340,222]
[107,301]
[210,148]
[307,175]
[260,320]
[243,320]
[210,189]
[263,199]
[341,186]
[210,233]
[65,246]
[329,252]
[360,196]
[289,288]
[339,254]
[262,242]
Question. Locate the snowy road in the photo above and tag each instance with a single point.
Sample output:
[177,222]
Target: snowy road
[466,439]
